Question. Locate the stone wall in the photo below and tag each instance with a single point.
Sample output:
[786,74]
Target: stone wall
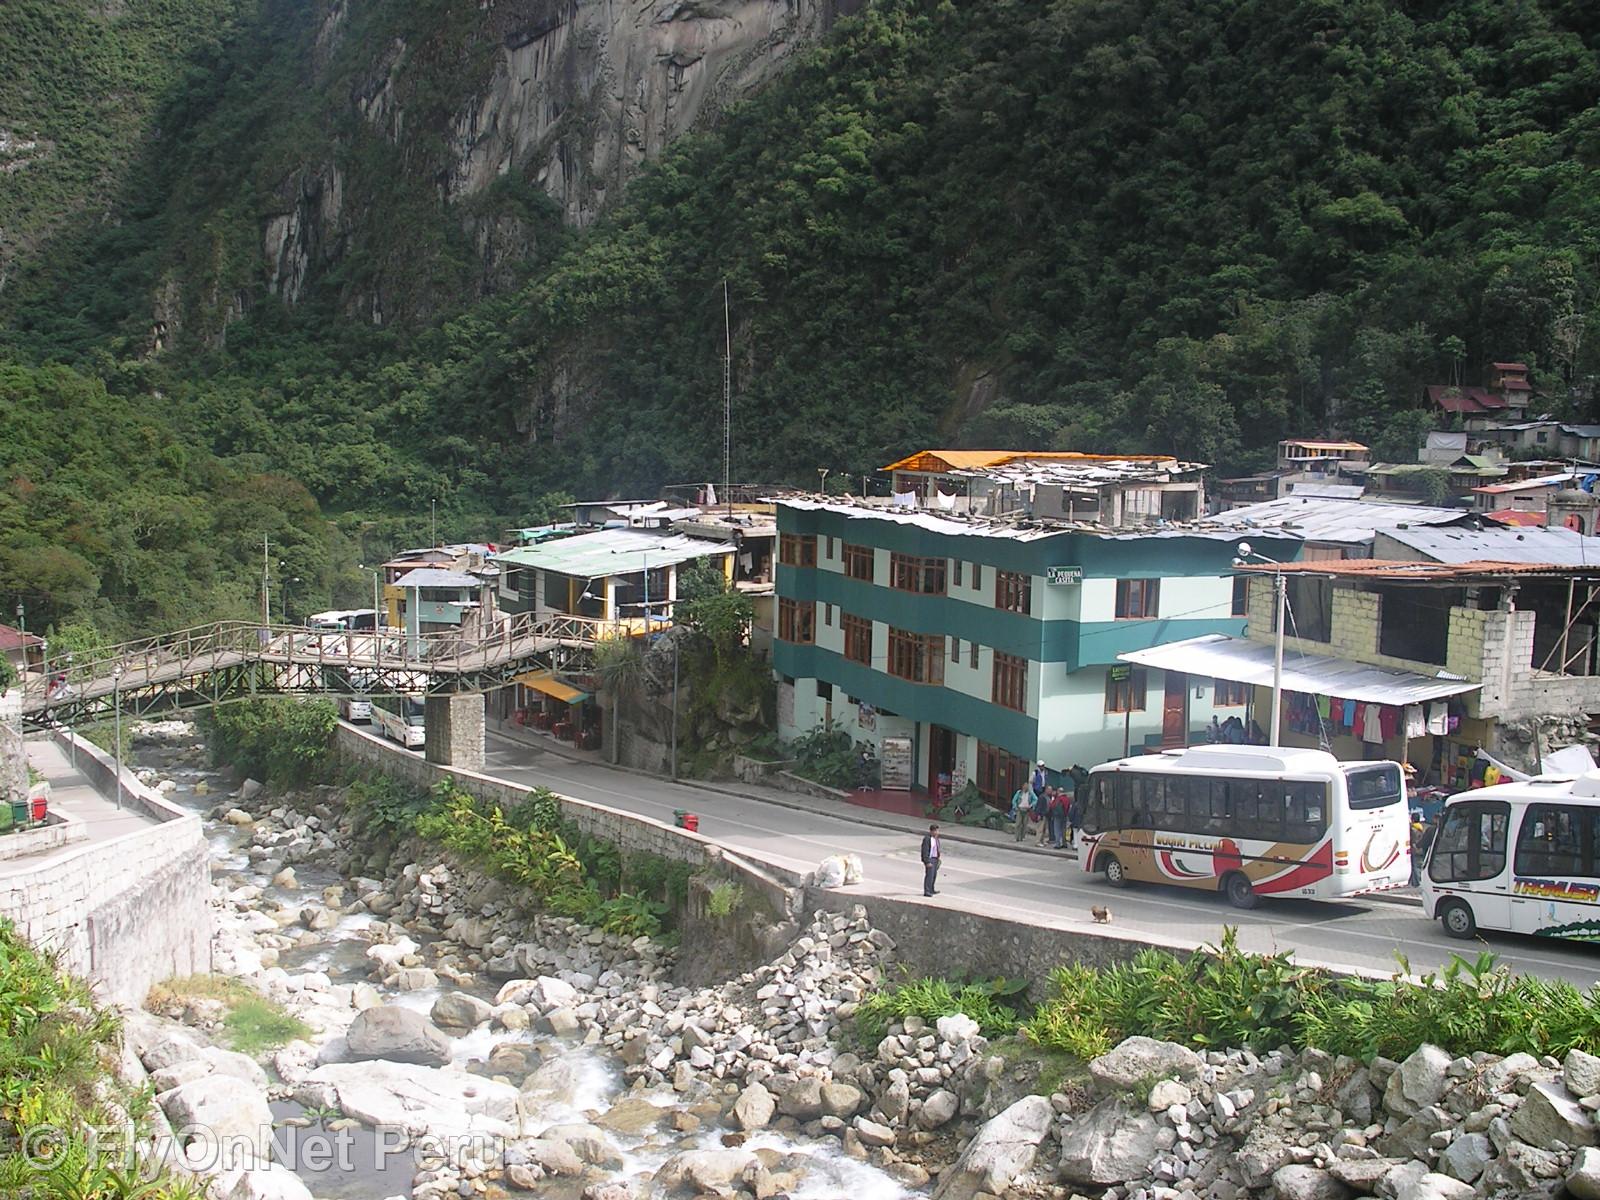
[779,889]
[126,912]
[13,758]
[455,726]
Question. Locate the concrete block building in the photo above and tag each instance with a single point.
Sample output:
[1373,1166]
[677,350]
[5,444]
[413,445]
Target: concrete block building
[966,647]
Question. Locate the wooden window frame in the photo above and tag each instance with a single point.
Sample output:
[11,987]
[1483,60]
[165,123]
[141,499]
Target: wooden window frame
[857,638]
[797,549]
[1136,696]
[955,572]
[1138,599]
[972,655]
[1009,681]
[1241,596]
[1000,773]
[1013,592]
[916,657]
[955,650]
[922,576]
[854,557]
[1229,693]
[797,621]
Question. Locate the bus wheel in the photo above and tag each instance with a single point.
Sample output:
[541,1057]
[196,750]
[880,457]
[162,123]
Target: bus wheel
[1239,891]
[1116,873]
[1457,919]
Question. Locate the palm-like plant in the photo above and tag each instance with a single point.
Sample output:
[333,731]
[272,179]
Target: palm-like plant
[620,666]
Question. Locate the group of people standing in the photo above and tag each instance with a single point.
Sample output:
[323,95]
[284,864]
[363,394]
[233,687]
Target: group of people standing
[1054,813]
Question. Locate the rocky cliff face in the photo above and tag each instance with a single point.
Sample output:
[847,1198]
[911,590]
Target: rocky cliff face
[569,96]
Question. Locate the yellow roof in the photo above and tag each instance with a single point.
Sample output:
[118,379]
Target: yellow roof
[955,460]
[546,682]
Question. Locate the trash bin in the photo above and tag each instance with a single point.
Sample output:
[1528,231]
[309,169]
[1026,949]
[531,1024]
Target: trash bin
[691,822]
[19,812]
[41,806]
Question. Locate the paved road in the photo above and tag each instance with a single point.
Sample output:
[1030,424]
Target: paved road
[997,879]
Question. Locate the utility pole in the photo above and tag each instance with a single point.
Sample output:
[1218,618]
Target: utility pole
[116,692]
[266,588]
[727,403]
[434,506]
[675,643]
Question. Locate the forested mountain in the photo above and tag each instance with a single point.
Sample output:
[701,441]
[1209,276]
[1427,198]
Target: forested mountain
[359,249]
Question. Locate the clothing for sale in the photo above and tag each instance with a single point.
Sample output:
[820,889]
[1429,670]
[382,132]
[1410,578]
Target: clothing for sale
[1438,718]
[1416,723]
[1371,723]
[1389,721]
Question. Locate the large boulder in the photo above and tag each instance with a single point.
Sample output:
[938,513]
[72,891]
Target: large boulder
[1580,1071]
[588,1142]
[221,1119]
[842,1100]
[1435,1187]
[1583,1180]
[419,1099]
[1419,1081]
[458,1010]
[754,1108]
[700,1172]
[1140,1060]
[396,1034]
[1300,1182]
[802,1099]
[269,1181]
[1466,1157]
[939,1109]
[1548,1114]
[1002,1150]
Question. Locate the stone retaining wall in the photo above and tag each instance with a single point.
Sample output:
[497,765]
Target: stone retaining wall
[782,890]
[126,912]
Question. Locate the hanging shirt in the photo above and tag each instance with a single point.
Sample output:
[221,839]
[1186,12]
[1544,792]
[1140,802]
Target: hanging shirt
[1371,723]
[1416,723]
[1438,718]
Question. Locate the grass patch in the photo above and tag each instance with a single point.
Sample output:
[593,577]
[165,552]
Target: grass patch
[984,1001]
[725,900]
[253,1023]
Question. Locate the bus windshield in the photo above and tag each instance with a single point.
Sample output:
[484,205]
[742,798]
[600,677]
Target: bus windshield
[1376,785]
[414,709]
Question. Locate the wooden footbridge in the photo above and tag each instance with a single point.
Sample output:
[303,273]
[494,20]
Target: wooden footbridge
[229,660]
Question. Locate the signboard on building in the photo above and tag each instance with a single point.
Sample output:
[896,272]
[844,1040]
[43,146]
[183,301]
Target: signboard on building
[1118,674]
[895,763]
[1063,575]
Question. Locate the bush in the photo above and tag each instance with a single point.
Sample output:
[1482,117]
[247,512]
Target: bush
[258,1024]
[278,740]
[725,899]
[829,755]
[931,999]
[1221,996]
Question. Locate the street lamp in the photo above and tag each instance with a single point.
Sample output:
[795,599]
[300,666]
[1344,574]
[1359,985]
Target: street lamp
[1282,589]
[22,628]
[116,695]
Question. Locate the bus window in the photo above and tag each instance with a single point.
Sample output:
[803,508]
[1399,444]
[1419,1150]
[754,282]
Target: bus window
[1149,803]
[1550,841]
[1373,787]
[1471,844]
[1097,816]
[1305,816]
[1178,789]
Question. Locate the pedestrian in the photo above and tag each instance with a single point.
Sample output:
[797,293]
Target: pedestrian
[1075,815]
[1041,814]
[930,861]
[1058,818]
[1040,779]
[1022,805]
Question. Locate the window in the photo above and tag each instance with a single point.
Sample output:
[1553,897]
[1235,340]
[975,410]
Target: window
[1125,689]
[972,655]
[858,562]
[824,690]
[1229,693]
[1373,787]
[1241,595]
[1414,623]
[1305,814]
[797,621]
[908,573]
[1010,688]
[1137,599]
[1553,842]
[955,650]
[1000,774]
[1310,609]
[955,571]
[977,576]
[797,549]
[827,615]
[830,545]
[857,638]
[1012,592]
[917,657]
[1472,842]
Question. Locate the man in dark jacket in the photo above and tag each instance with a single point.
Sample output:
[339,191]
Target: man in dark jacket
[930,860]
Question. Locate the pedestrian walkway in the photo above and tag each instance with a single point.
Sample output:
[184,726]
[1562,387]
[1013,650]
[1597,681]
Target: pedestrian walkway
[72,795]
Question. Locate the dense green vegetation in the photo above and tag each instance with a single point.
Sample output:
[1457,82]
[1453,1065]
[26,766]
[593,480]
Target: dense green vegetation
[1087,223]
[1221,997]
[278,740]
[58,1053]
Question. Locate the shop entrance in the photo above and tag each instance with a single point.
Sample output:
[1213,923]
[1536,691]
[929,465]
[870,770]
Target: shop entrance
[941,759]
[1175,711]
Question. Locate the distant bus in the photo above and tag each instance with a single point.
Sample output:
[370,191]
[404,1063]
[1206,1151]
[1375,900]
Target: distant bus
[400,718]
[1523,857]
[349,690]
[1249,821]
[343,620]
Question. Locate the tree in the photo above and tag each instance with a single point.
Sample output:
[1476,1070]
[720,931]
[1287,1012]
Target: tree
[620,667]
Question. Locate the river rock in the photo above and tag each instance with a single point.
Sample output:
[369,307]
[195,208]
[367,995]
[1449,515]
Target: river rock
[1580,1071]
[695,1172]
[458,1010]
[841,1100]
[1002,1150]
[802,1099]
[397,1035]
[1417,1082]
[1502,1076]
[419,1099]
[238,816]
[551,1156]
[415,979]
[1297,1182]
[938,1109]
[958,1027]
[1466,1157]
[1547,1115]
[633,1116]
[754,1108]
[218,1114]
[1435,1187]
[1138,1060]
[266,1181]
[286,879]
[588,1142]
[1583,1180]
[318,918]
[1166,1093]
[895,1102]
[548,992]
[1362,1174]
[873,1134]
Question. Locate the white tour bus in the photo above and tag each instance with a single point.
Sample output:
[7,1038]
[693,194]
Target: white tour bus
[400,718]
[1523,857]
[1248,821]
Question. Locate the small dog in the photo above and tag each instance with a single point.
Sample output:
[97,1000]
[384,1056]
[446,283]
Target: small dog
[1102,916]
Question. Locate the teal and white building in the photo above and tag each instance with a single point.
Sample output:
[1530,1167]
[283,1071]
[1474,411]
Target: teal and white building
[966,648]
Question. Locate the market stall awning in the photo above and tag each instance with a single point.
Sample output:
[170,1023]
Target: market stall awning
[1243,661]
[546,682]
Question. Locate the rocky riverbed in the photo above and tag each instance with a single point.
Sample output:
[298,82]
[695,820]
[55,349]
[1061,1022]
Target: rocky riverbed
[462,1047]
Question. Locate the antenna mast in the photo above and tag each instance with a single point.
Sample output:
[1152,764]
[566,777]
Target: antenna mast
[727,402]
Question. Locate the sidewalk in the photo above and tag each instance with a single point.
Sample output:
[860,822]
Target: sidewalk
[1003,839]
[72,794]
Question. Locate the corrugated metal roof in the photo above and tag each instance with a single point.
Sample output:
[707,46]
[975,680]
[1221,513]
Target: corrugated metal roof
[1423,572]
[1512,516]
[1527,485]
[613,552]
[1328,491]
[431,577]
[1312,444]
[947,460]
[1351,522]
[1558,547]
[1582,431]
[1224,657]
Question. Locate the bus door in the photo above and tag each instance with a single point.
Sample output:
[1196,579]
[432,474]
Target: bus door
[1553,868]
[1469,859]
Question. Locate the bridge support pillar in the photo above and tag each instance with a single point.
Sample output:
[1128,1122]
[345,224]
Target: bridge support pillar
[455,730]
